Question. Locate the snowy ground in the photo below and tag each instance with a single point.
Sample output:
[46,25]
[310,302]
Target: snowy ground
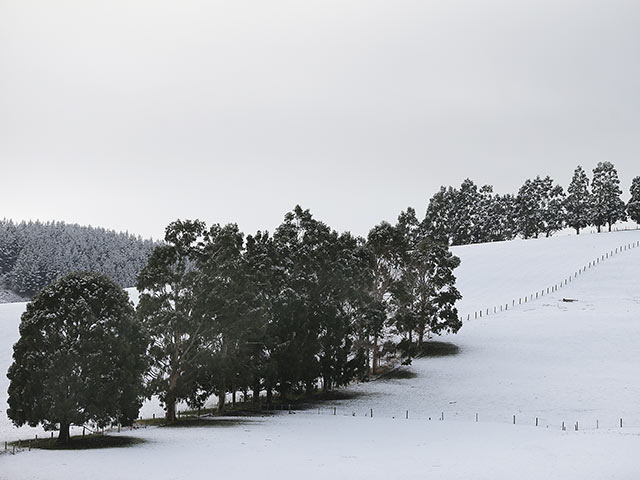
[557,361]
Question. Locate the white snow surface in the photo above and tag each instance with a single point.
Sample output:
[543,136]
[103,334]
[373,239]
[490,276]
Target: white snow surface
[547,359]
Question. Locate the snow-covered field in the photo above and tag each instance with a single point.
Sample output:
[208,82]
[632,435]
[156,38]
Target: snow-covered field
[547,359]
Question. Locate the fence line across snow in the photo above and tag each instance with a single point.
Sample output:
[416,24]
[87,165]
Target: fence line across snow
[503,307]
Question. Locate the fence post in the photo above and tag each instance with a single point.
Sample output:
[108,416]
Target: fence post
[620,423]
[536,421]
[514,419]
[372,413]
[407,415]
[476,417]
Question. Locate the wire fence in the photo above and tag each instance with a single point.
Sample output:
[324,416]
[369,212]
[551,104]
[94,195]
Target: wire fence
[511,305]
[606,423]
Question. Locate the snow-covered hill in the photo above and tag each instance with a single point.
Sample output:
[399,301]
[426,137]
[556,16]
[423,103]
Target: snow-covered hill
[547,359]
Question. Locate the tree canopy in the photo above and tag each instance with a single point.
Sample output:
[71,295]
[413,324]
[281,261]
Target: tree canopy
[80,357]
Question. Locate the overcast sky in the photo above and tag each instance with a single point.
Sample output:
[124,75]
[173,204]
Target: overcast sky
[130,114]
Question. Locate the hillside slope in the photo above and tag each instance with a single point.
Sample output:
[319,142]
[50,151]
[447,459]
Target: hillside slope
[547,359]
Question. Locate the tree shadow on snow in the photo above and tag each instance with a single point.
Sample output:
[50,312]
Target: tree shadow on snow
[438,349]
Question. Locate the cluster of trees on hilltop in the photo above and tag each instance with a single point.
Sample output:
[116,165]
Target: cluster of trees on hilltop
[303,309]
[541,207]
[33,254]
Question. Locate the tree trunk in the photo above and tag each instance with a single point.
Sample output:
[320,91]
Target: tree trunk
[170,407]
[233,397]
[269,395]
[256,392]
[421,334]
[222,397]
[63,437]
[577,231]
[374,363]
[609,226]
[598,228]
[309,387]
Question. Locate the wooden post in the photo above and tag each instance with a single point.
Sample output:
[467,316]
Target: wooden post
[536,421]
[407,415]
[83,428]
[620,423]
[514,419]
[597,426]
[563,427]
[476,417]
[334,410]
[372,413]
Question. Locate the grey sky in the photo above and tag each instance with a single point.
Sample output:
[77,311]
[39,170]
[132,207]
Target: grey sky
[129,114]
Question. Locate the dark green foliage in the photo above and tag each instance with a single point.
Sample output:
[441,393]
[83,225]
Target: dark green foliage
[423,293]
[321,288]
[229,309]
[539,207]
[168,309]
[578,202]
[386,246]
[608,207]
[79,357]
[470,215]
[291,313]
[33,254]
[633,207]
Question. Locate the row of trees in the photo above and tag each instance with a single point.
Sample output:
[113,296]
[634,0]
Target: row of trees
[541,207]
[33,254]
[303,309]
